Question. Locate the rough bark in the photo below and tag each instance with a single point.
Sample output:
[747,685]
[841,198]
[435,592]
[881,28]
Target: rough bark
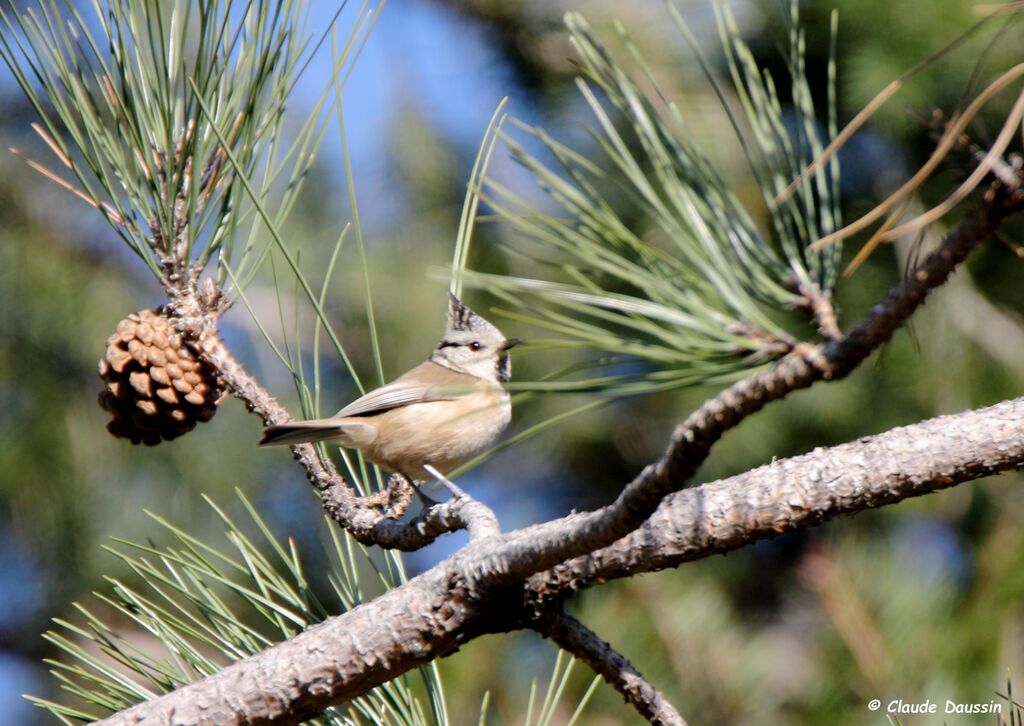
[805,490]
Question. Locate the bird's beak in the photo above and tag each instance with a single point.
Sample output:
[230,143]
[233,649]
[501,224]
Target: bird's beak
[510,343]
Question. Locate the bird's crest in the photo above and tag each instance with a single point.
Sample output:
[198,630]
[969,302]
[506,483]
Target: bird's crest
[462,319]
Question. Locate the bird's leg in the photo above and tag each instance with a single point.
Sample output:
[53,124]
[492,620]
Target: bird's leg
[426,501]
[448,483]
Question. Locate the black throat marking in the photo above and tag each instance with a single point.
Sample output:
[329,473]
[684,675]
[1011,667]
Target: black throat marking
[503,369]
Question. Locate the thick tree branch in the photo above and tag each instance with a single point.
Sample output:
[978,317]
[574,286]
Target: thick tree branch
[805,490]
[326,664]
[438,610]
[576,638]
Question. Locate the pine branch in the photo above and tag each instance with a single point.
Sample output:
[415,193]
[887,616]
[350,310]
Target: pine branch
[481,588]
[560,540]
[576,638]
[546,545]
[456,601]
[804,491]
[328,663]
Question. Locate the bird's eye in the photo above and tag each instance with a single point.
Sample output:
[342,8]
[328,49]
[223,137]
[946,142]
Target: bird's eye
[475,346]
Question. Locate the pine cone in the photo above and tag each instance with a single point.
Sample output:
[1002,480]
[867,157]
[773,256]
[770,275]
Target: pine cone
[156,387]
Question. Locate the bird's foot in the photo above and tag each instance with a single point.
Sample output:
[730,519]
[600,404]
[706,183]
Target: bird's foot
[394,499]
[400,490]
[426,501]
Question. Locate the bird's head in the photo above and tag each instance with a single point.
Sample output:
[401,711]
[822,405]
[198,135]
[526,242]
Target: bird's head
[472,345]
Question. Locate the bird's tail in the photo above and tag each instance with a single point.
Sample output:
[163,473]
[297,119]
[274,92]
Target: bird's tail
[302,432]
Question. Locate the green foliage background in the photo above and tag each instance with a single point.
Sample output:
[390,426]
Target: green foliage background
[918,601]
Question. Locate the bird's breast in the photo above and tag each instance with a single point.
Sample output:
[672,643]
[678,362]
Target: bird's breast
[444,434]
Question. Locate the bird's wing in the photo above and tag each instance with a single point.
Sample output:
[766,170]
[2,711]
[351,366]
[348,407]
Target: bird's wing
[426,382]
[387,397]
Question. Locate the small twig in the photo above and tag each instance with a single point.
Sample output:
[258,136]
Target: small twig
[479,519]
[369,526]
[1007,172]
[576,638]
[400,493]
[770,346]
[819,304]
[393,500]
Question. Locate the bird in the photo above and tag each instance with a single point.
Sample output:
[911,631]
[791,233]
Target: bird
[439,415]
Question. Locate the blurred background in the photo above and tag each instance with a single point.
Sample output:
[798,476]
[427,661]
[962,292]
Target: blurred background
[922,600]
